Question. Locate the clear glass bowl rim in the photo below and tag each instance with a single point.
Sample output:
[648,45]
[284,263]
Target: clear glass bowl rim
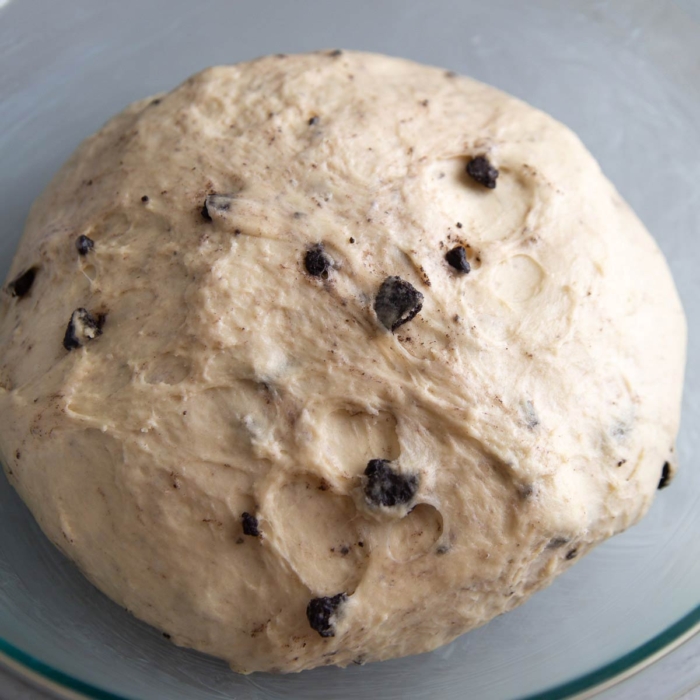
[39,673]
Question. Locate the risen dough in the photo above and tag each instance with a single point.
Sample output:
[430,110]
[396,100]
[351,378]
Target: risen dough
[528,407]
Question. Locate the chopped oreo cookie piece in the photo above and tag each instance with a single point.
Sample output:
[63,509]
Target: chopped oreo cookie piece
[321,611]
[665,476]
[571,554]
[385,487]
[84,244]
[531,418]
[219,202]
[82,327]
[397,302]
[250,525]
[216,203]
[316,262]
[480,170]
[457,258]
[23,283]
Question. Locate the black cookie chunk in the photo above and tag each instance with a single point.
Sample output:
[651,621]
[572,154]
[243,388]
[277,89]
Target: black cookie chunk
[219,202]
[480,170]
[23,283]
[665,476]
[216,203]
[250,525]
[84,244]
[316,262]
[82,327]
[457,258]
[320,612]
[385,487]
[397,302]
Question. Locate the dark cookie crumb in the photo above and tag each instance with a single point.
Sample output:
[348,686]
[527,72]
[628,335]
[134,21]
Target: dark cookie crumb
[84,245]
[166,635]
[385,487]
[155,102]
[442,549]
[250,525]
[23,283]
[557,542]
[480,170]
[314,120]
[531,417]
[144,198]
[351,239]
[18,455]
[526,491]
[316,262]
[571,554]
[218,203]
[360,544]
[344,550]
[459,225]
[335,53]
[82,327]
[359,661]
[320,612]
[620,430]
[457,258]
[665,476]
[397,302]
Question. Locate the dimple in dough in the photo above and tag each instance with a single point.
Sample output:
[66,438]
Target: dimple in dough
[532,401]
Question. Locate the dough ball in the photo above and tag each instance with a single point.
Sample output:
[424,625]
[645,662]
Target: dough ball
[330,358]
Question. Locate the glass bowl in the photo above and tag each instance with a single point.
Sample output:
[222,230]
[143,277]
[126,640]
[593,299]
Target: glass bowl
[623,75]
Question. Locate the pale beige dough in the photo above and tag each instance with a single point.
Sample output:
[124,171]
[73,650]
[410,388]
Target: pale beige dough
[535,399]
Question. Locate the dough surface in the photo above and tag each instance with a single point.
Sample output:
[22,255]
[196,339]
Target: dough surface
[524,414]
